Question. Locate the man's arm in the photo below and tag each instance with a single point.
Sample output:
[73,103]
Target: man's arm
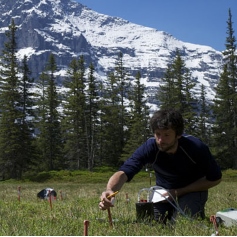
[114,184]
[199,185]
[116,181]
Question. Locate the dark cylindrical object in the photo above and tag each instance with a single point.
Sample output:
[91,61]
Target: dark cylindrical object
[144,211]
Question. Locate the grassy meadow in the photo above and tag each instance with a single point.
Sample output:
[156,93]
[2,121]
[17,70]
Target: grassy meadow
[77,201]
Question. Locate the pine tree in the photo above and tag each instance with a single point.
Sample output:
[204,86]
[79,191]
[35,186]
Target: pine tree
[203,120]
[11,158]
[92,118]
[175,91]
[222,126]
[103,107]
[123,83]
[110,130]
[76,147]
[28,148]
[166,89]
[189,104]
[50,138]
[114,116]
[139,124]
[225,104]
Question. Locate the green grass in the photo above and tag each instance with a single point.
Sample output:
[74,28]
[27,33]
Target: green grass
[81,193]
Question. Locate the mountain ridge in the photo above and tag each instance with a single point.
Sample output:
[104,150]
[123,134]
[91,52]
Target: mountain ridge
[69,29]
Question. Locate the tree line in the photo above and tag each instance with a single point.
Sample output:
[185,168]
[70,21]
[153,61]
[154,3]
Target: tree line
[89,123]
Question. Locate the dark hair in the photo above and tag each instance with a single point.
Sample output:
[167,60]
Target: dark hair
[167,118]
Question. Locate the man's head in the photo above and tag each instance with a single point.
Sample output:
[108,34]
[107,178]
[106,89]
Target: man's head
[167,119]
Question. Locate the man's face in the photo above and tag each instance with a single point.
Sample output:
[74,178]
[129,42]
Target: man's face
[166,140]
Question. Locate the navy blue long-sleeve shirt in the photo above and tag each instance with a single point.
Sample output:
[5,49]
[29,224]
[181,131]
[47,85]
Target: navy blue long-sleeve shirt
[190,162]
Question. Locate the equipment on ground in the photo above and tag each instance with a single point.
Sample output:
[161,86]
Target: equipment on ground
[46,193]
[144,206]
[227,217]
[145,210]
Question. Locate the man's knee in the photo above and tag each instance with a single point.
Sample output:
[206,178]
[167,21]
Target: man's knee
[193,204]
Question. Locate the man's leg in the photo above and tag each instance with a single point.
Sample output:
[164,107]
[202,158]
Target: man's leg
[193,204]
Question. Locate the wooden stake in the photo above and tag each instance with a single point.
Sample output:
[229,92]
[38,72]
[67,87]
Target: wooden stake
[110,218]
[109,212]
[50,200]
[19,193]
[127,199]
[86,224]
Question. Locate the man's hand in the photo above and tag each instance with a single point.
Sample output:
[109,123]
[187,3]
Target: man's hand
[106,203]
[170,195]
[173,194]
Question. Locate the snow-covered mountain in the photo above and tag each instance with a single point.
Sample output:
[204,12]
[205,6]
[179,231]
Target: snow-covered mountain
[69,29]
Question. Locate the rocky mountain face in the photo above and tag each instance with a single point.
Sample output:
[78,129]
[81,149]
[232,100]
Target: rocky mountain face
[68,29]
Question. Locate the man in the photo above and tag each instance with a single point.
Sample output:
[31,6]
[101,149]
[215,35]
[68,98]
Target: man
[183,166]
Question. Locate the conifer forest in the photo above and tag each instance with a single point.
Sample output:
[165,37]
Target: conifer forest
[86,123]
